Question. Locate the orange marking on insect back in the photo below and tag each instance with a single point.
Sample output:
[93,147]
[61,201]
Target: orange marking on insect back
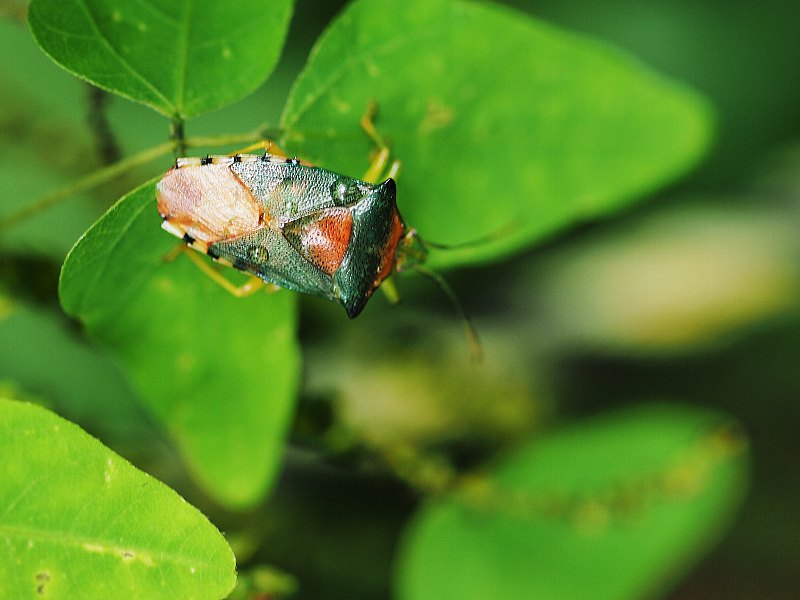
[327,239]
[322,238]
[388,251]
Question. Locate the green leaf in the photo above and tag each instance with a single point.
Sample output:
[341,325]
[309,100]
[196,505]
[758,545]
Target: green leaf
[219,372]
[506,127]
[181,57]
[42,108]
[39,354]
[78,521]
[24,178]
[614,508]
[30,80]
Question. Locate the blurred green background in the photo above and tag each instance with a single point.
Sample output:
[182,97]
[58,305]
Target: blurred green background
[691,297]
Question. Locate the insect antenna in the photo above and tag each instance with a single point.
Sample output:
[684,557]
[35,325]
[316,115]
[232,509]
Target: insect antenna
[492,236]
[476,348]
[414,252]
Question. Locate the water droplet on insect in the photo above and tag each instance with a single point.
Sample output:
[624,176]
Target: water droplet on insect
[345,191]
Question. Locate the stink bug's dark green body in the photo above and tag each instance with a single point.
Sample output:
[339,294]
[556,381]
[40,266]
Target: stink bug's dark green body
[298,226]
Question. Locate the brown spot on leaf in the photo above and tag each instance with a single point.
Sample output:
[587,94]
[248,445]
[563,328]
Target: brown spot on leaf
[42,578]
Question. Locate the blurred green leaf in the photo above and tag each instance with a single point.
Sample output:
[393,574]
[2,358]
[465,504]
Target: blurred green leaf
[181,58]
[503,124]
[78,521]
[220,372]
[38,354]
[610,509]
[45,145]
[29,79]
[51,232]
[679,279]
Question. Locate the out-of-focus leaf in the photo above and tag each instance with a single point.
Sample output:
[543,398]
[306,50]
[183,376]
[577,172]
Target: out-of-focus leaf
[219,372]
[611,509]
[30,78]
[181,58]
[45,148]
[78,521]
[41,357]
[506,127]
[24,179]
[680,279]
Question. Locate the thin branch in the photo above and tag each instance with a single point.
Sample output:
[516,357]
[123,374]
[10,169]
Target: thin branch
[105,144]
[85,183]
[106,174]
[178,136]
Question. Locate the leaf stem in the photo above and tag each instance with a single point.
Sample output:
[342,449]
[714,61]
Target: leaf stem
[178,135]
[262,133]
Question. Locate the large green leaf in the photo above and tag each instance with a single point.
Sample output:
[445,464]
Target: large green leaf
[78,521]
[181,57]
[610,509]
[219,372]
[504,125]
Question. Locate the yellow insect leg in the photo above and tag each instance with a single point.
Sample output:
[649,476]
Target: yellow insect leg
[252,285]
[390,291]
[381,158]
[267,146]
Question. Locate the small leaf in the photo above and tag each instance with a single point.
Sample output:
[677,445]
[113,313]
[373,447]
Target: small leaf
[219,372]
[506,127]
[78,521]
[610,509]
[181,58]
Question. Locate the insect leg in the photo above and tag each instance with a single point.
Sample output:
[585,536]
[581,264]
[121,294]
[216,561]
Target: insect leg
[390,291]
[174,253]
[266,145]
[368,125]
[381,158]
[394,169]
[253,284]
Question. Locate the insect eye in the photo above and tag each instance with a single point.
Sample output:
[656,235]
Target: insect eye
[344,191]
[258,254]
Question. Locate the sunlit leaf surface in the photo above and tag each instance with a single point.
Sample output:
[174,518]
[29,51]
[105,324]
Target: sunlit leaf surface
[78,521]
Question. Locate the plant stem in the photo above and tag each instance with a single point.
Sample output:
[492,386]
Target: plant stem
[106,174]
[104,142]
[85,183]
[178,136]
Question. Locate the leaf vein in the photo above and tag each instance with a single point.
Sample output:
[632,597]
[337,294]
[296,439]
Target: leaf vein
[182,65]
[110,47]
[82,541]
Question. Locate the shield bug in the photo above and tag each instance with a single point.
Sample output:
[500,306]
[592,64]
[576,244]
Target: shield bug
[290,223]
[295,225]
